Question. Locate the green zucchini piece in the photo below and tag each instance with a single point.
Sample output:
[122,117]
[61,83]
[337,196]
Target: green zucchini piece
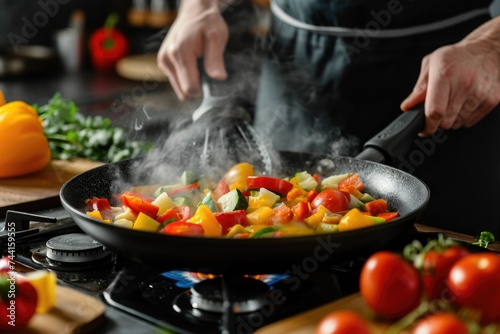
[232,201]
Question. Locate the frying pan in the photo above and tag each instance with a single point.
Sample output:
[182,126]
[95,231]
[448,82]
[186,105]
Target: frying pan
[404,193]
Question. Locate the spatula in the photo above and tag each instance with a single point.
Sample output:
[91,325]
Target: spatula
[228,136]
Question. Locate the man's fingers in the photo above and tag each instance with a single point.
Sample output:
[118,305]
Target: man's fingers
[419,91]
[167,68]
[213,59]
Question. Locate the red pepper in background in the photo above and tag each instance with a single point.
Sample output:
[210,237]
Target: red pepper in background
[18,300]
[107,45]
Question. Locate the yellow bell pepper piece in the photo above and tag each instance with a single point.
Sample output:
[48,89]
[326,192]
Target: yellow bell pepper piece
[354,219]
[145,223]
[317,217]
[260,216]
[24,147]
[97,215]
[265,198]
[256,228]
[296,230]
[206,218]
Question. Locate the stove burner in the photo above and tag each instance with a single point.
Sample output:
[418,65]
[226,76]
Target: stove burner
[242,294]
[75,248]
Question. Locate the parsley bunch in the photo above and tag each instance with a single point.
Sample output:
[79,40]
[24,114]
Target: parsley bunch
[72,134]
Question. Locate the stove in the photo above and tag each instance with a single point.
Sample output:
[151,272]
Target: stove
[182,302]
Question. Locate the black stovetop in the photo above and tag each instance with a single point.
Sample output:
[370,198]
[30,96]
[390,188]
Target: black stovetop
[142,299]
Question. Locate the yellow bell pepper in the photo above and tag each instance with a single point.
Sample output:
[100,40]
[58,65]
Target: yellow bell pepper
[260,216]
[146,223]
[24,147]
[354,219]
[206,218]
[316,217]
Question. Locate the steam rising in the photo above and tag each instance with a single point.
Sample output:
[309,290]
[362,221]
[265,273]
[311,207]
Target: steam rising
[225,136]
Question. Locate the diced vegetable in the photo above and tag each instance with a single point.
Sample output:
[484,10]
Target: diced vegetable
[163,202]
[306,180]
[276,185]
[145,223]
[233,200]
[263,207]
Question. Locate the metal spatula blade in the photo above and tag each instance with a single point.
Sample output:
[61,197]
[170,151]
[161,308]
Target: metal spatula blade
[228,136]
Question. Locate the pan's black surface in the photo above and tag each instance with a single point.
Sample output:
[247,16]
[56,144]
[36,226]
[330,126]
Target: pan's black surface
[405,193]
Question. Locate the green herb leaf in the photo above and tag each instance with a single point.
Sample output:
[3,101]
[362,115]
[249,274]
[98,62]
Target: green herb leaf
[75,135]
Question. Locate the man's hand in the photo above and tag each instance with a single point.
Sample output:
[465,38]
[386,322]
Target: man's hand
[460,83]
[198,32]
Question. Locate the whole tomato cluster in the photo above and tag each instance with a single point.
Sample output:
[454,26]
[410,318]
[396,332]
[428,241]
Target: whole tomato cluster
[441,274]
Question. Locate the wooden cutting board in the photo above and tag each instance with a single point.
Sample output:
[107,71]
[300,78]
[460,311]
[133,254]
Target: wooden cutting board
[305,323]
[41,189]
[74,312]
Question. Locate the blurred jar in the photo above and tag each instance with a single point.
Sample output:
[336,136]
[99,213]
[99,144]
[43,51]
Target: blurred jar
[162,13]
[138,13]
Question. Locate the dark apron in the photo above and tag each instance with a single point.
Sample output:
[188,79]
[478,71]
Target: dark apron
[322,93]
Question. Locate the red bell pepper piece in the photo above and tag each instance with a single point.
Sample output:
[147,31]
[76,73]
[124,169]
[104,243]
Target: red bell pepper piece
[301,211]
[231,218]
[168,216]
[311,194]
[182,228]
[137,204]
[352,180]
[389,215]
[102,205]
[376,207]
[18,301]
[183,189]
[276,185]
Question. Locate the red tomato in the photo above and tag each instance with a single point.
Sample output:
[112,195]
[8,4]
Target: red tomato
[441,323]
[474,282]
[273,184]
[332,199]
[137,204]
[231,218]
[389,285]
[282,214]
[183,229]
[376,207]
[342,322]
[435,268]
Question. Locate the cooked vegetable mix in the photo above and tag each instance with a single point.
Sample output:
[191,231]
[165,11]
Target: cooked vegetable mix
[245,205]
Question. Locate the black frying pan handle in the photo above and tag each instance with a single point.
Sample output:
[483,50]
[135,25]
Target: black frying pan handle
[396,139]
